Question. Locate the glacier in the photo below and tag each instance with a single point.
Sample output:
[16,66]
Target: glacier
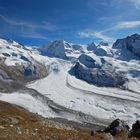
[90,84]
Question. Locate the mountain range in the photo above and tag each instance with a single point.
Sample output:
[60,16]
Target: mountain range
[89,84]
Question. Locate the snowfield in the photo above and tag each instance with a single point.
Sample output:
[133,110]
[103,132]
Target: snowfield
[29,102]
[72,93]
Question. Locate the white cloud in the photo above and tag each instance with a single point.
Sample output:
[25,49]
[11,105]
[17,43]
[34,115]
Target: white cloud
[101,34]
[98,35]
[49,26]
[128,24]
[44,25]
[123,25]
[28,29]
[136,3]
[103,37]
[84,34]
[16,23]
[35,36]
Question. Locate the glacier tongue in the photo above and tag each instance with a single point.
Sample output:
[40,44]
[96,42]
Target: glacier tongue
[102,103]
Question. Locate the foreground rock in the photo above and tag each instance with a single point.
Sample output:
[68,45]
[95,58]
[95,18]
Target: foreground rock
[116,127]
[119,128]
[135,132]
[18,124]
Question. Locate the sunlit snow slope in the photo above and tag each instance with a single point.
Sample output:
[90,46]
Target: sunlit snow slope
[72,93]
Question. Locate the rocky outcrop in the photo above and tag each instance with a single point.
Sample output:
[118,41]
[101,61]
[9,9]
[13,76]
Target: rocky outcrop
[116,127]
[15,77]
[120,128]
[135,132]
[97,71]
[17,66]
[103,50]
[103,43]
[91,47]
[17,123]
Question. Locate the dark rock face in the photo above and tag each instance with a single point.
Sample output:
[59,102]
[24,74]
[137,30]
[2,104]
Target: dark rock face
[97,71]
[103,43]
[116,127]
[88,61]
[135,132]
[18,66]
[77,47]
[25,58]
[6,54]
[27,72]
[15,77]
[131,43]
[91,47]
[119,130]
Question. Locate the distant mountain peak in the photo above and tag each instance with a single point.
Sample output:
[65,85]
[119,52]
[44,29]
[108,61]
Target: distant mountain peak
[57,48]
[91,47]
[129,44]
[104,43]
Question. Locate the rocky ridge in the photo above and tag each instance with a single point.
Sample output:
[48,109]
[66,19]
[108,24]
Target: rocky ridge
[18,65]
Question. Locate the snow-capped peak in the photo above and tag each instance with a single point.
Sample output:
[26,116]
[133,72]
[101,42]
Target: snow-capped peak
[104,43]
[57,48]
[91,47]
[9,42]
[128,47]
[62,49]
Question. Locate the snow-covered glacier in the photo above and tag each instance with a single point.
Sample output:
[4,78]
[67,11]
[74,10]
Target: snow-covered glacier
[90,84]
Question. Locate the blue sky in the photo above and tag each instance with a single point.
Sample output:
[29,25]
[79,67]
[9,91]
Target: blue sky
[36,22]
